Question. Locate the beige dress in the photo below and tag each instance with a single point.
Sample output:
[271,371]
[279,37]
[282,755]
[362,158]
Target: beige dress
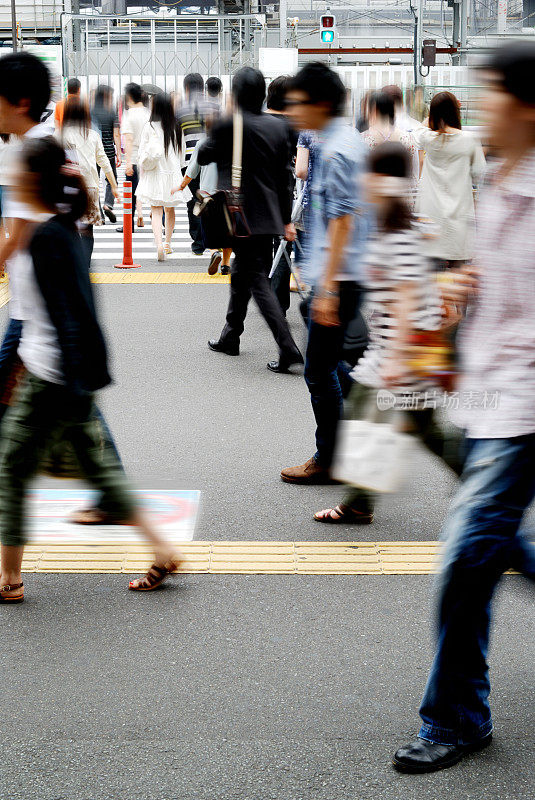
[454,163]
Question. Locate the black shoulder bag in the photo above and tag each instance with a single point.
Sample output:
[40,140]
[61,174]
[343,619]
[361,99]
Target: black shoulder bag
[221,214]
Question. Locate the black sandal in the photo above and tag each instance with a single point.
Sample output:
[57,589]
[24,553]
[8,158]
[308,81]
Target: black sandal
[154,577]
[344,515]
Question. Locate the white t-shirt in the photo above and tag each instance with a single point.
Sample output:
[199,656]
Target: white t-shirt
[134,120]
[20,261]
[39,348]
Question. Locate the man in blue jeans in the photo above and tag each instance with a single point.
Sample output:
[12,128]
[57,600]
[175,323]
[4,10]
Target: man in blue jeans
[338,230]
[483,535]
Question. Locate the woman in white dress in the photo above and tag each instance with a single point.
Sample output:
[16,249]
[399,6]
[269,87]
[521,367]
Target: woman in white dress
[454,162]
[159,159]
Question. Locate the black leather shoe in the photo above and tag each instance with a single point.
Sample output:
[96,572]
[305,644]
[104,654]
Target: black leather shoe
[216,346]
[110,214]
[283,363]
[424,756]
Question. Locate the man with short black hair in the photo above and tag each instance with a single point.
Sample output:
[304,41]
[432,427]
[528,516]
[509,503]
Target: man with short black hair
[482,534]
[267,206]
[338,230]
[191,118]
[73,90]
[214,89]
[134,120]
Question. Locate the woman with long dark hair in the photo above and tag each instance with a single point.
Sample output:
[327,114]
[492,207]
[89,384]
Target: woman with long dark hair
[453,164]
[64,353]
[159,159]
[77,136]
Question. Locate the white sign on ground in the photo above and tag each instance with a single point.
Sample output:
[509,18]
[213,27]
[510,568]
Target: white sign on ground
[173,513]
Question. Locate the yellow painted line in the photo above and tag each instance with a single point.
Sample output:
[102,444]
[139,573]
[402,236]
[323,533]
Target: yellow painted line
[135,276]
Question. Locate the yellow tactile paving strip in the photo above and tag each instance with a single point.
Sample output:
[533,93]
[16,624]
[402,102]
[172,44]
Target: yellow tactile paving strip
[4,291]
[235,557]
[135,276]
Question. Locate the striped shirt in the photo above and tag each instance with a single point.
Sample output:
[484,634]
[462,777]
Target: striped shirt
[394,259]
[191,119]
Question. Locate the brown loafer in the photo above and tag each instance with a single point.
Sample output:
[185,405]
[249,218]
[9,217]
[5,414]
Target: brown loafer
[310,473]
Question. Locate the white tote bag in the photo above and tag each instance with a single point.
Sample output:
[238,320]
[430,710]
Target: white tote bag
[370,455]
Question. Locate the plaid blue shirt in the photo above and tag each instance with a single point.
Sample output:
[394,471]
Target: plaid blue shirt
[335,192]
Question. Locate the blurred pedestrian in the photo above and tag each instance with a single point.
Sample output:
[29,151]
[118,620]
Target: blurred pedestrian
[159,158]
[453,164]
[106,122]
[276,107]
[483,534]
[382,128]
[76,135]
[208,181]
[267,204]
[24,96]
[338,231]
[307,152]
[63,350]
[74,88]
[214,95]
[191,119]
[403,299]
[134,120]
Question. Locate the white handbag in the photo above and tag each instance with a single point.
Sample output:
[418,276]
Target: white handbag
[151,152]
[370,455]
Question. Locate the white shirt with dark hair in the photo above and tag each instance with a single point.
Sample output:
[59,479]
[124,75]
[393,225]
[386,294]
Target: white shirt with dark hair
[133,122]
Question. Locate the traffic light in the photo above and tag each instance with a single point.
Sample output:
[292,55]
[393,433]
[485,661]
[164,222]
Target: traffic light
[327,23]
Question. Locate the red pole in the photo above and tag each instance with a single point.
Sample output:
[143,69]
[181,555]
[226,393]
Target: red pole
[128,262]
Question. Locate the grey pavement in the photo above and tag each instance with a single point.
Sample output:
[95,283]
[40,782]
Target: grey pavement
[243,688]
[240,687]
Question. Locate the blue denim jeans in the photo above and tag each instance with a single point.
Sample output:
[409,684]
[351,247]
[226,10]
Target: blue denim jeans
[9,347]
[482,540]
[324,351]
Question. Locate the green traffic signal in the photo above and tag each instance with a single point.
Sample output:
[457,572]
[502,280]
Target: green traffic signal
[327,37]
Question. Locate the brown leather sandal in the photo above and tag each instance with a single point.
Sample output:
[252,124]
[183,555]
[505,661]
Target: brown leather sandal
[14,598]
[154,577]
[343,515]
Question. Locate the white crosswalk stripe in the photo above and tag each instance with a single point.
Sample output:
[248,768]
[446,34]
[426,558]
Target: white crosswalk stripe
[109,243]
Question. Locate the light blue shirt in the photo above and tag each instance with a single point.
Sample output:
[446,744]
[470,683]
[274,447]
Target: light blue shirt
[336,191]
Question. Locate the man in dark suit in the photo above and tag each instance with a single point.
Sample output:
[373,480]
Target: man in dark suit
[267,205]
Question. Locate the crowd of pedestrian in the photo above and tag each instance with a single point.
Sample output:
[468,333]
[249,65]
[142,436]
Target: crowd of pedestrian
[382,217]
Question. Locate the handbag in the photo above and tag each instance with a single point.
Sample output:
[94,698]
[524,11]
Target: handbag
[221,214]
[370,455]
[151,152]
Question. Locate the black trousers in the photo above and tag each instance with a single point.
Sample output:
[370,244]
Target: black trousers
[195,231]
[135,180]
[109,199]
[249,277]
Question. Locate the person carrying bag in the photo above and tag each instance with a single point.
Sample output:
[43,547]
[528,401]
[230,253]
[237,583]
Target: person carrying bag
[221,214]
[397,390]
